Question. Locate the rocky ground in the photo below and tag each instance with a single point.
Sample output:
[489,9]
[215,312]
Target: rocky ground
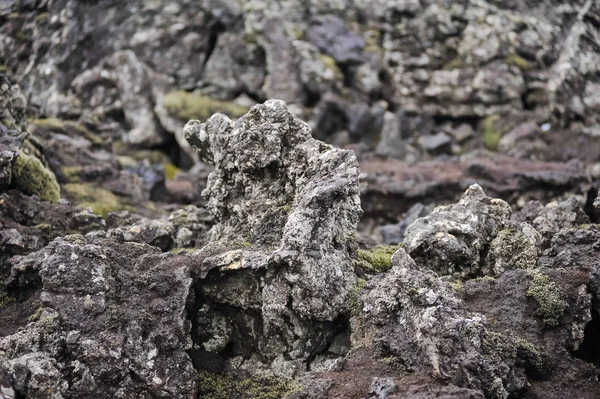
[299,199]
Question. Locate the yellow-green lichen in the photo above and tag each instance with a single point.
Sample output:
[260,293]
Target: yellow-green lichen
[180,250]
[3,68]
[331,64]
[491,135]
[324,147]
[42,17]
[549,298]
[534,360]
[455,63]
[35,316]
[379,257]
[354,303]
[171,171]
[244,243]
[31,176]
[222,386]
[101,201]
[518,61]
[185,106]
[457,285]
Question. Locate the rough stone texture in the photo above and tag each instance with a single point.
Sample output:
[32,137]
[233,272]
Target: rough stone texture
[453,239]
[111,322]
[420,321]
[285,206]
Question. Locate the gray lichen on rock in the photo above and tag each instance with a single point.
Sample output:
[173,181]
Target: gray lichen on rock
[295,207]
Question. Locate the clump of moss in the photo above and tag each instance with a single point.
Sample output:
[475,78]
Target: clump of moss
[222,386]
[379,257]
[354,304]
[535,363]
[3,68]
[491,135]
[331,64]
[31,176]
[518,61]
[72,173]
[551,304]
[55,124]
[185,106]
[101,201]
[171,170]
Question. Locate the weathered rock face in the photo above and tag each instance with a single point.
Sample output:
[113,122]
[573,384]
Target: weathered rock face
[111,321]
[286,206]
[454,239]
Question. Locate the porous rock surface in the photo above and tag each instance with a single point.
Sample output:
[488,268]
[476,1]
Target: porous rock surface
[286,207]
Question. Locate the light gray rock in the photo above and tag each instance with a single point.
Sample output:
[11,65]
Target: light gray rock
[285,206]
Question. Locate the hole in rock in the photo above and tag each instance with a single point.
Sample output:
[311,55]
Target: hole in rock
[589,350]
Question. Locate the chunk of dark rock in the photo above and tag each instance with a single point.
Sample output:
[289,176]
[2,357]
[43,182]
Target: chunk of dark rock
[112,318]
[330,34]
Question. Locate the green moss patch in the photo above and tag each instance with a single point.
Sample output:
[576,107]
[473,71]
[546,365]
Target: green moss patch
[59,125]
[32,177]
[354,303]
[72,173]
[456,63]
[551,304]
[491,135]
[222,386]
[186,106]
[331,64]
[379,257]
[101,201]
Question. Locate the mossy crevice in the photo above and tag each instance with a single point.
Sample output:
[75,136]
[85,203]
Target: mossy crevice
[354,303]
[549,297]
[99,200]
[379,258]
[186,106]
[223,386]
[32,177]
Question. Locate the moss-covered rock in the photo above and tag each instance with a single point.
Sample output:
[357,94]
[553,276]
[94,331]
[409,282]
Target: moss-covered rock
[379,258]
[223,386]
[185,106]
[99,200]
[32,177]
[551,304]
